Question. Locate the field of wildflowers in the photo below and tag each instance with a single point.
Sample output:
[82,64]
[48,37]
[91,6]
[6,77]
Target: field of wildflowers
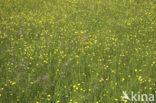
[76,51]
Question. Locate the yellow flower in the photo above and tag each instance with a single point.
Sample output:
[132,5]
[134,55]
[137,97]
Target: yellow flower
[116,99]
[78,84]
[77,56]
[101,80]
[123,79]
[13,83]
[149,80]
[74,86]
[49,99]
[95,41]
[49,95]
[125,101]
[58,101]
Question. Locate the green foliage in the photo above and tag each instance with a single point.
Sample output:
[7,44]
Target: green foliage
[76,51]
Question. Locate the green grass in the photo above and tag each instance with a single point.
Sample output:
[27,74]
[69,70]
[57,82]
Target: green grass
[76,51]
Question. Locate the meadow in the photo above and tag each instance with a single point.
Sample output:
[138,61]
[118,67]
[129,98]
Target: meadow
[77,51]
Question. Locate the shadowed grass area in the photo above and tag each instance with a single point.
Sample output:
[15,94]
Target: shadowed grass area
[76,51]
